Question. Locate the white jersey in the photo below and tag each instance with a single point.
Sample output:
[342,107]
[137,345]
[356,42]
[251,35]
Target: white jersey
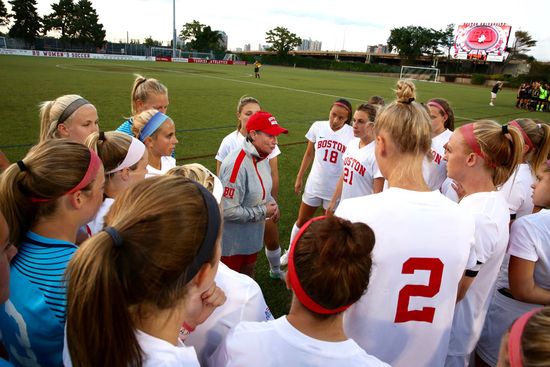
[328,161]
[166,164]
[156,352]
[245,302]
[423,241]
[360,170]
[278,343]
[517,191]
[235,141]
[490,211]
[97,224]
[529,240]
[448,190]
[435,170]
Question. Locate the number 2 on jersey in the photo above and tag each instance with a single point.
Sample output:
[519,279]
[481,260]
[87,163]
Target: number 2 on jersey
[333,156]
[426,314]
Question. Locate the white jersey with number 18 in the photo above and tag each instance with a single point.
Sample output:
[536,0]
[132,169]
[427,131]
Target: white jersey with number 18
[423,242]
[328,163]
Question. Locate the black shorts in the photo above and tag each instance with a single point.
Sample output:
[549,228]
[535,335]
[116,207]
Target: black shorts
[256,70]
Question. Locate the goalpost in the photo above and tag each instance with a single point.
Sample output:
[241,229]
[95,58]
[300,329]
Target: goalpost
[3,42]
[430,74]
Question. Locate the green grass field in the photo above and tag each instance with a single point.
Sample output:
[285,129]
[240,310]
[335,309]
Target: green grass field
[203,100]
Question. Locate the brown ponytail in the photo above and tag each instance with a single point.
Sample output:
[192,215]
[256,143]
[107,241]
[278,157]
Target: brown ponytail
[110,279]
[47,174]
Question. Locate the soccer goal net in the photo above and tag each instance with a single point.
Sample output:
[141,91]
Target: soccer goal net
[419,73]
[3,43]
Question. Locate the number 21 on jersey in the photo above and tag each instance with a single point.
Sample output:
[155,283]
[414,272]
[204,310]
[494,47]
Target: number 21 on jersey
[426,314]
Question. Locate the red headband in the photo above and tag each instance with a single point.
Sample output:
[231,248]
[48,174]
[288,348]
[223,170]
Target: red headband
[523,133]
[468,133]
[514,340]
[91,172]
[303,297]
[439,107]
[342,105]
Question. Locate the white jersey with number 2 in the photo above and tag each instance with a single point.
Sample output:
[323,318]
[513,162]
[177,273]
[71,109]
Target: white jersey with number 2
[328,163]
[423,241]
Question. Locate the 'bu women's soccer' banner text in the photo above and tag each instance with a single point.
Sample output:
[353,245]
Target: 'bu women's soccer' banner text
[482,41]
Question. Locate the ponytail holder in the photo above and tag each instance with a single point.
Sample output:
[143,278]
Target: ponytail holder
[411,100]
[505,129]
[22,166]
[294,281]
[115,236]
[539,126]
[514,340]
[101,136]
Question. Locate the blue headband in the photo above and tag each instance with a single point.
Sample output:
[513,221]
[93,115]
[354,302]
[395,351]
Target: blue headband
[152,125]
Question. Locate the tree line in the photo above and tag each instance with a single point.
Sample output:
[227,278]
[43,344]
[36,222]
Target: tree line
[78,22]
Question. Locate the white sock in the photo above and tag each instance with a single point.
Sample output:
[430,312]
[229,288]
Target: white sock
[274,258]
[293,233]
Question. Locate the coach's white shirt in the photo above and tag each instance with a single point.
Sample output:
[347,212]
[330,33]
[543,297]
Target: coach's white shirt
[360,170]
[492,220]
[166,164]
[423,241]
[328,161]
[278,343]
[234,141]
[517,191]
[245,302]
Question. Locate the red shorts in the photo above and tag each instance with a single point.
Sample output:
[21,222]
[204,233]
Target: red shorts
[236,262]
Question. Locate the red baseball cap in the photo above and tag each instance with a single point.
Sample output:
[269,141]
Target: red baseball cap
[264,122]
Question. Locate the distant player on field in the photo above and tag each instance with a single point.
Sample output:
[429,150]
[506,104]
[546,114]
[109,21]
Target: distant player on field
[494,91]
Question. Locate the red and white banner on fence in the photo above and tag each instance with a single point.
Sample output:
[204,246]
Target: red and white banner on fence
[85,55]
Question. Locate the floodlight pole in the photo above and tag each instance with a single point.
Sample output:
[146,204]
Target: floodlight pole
[174,26]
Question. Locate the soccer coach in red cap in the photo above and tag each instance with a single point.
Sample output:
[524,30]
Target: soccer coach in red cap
[246,177]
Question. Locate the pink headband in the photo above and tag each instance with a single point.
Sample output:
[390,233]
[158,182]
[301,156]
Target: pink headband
[523,133]
[514,340]
[90,174]
[439,107]
[468,133]
[342,105]
[303,297]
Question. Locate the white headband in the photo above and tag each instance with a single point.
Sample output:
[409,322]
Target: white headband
[218,189]
[135,153]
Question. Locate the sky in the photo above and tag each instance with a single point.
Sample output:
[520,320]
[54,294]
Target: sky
[340,25]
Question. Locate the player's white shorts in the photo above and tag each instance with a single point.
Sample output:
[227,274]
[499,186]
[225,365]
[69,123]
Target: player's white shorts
[501,314]
[493,95]
[314,201]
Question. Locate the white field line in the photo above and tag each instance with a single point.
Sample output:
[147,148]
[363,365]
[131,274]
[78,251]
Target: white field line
[70,67]
[186,73]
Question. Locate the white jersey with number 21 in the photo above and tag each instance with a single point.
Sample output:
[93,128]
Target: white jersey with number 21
[423,241]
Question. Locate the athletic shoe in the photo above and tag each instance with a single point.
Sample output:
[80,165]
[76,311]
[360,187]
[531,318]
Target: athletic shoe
[491,104]
[284,259]
[277,274]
